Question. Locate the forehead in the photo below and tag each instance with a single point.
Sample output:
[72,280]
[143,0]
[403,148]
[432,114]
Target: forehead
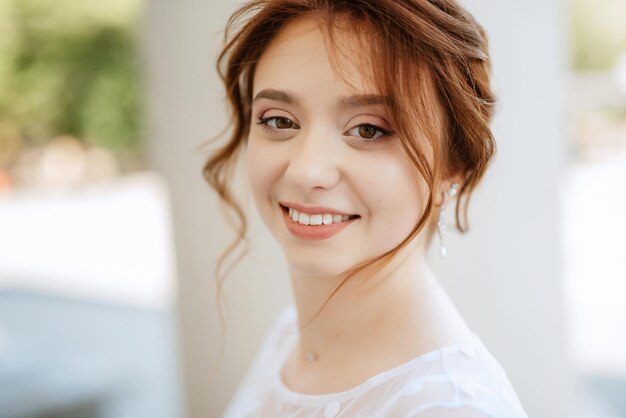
[300,53]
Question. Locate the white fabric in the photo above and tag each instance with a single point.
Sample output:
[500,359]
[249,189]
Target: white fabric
[462,380]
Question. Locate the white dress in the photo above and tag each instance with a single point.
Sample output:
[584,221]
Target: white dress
[462,380]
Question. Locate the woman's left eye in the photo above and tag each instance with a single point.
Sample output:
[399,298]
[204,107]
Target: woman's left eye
[368,131]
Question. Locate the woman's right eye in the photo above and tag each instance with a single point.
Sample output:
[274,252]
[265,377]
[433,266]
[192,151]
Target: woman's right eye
[277,123]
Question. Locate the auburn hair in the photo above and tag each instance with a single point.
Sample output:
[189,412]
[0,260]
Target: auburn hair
[428,57]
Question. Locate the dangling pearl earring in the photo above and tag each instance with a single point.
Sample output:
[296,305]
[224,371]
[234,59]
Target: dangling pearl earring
[441,221]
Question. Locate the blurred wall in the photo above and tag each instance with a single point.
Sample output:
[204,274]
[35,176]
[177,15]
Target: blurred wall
[514,294]
[506,275]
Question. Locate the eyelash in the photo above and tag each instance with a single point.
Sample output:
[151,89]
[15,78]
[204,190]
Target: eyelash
[385,133]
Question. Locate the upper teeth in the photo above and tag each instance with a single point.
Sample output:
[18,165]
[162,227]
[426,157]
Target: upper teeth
[316,219]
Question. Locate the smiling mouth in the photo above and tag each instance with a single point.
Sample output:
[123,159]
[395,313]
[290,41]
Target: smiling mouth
[286,210]
[324,226]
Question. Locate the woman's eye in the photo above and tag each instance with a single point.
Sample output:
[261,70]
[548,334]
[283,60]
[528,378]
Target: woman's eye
[278,122]
[368,131]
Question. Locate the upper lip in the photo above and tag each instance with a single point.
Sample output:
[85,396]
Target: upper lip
[313,209]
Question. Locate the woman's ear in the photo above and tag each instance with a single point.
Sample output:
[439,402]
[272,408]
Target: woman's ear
[445,186]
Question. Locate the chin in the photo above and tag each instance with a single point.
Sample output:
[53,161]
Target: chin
[300,264]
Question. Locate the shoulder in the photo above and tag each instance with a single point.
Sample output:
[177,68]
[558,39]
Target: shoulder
[454,397]
[272,343]
[278,332]
[462,381]
[266,357]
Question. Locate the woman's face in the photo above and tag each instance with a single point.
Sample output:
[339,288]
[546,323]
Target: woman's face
[316,141]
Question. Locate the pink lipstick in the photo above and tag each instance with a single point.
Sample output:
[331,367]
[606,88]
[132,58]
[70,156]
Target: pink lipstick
[314,232]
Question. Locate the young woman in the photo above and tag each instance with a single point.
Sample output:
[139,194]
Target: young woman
[360,122]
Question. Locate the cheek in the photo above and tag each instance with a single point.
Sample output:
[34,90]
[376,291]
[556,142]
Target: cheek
[396,200]
[261,172]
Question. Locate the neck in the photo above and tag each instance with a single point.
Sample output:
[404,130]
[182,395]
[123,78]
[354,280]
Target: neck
[364,311]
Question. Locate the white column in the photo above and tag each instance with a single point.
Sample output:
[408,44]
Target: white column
[185,107]
[506,274]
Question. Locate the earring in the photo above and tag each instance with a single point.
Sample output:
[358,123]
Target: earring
[441,221]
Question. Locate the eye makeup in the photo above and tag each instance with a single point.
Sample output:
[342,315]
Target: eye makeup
[369,131]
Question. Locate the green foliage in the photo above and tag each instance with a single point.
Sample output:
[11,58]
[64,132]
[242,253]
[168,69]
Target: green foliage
[598,33]
[68,69]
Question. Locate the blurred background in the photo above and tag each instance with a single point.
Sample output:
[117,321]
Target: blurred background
[109,235]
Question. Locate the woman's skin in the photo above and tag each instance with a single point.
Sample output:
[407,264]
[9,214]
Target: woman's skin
[315,152]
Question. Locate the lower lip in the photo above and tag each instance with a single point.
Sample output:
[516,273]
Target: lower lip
[314,232]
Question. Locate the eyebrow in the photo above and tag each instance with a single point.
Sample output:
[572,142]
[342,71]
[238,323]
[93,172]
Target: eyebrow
[289,97]
[277,96]
[362,100]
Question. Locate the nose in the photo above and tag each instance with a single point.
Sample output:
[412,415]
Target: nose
[313,162]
